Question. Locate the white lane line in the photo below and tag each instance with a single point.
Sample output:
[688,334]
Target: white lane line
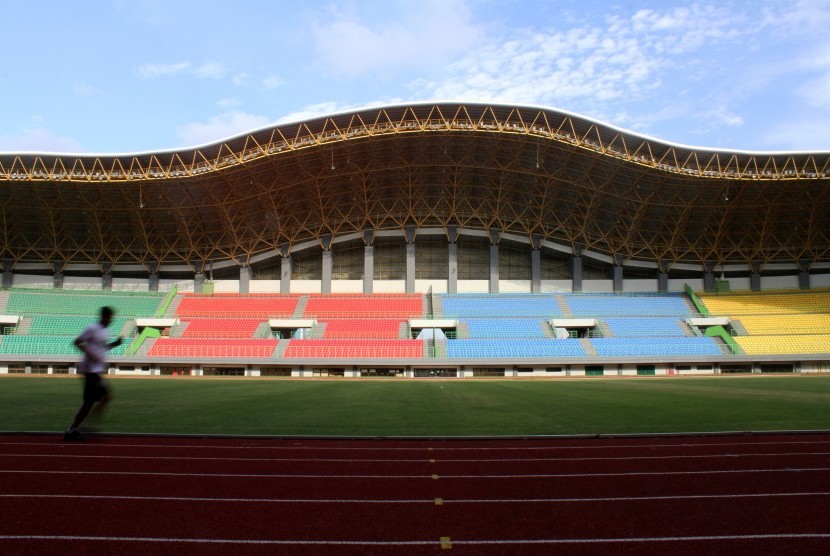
[472,542]
[435,448]
[430,477]
[430,501]
[420,460]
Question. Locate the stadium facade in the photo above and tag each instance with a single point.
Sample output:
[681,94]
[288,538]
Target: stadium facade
[446,198]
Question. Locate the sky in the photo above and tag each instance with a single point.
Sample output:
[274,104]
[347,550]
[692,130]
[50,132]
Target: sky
[128,76]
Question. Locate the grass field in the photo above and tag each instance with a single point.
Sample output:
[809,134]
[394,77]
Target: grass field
[389,407]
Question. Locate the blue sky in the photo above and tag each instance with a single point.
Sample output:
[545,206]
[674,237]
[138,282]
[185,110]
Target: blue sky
[120,76]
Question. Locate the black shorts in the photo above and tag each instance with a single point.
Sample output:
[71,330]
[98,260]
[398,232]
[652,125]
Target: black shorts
[95,389]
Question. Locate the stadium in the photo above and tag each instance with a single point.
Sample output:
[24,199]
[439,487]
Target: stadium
[421,240]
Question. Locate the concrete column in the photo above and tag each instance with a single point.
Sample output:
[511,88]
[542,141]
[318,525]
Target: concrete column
[536,263]
[58,267]
[495,236]
[325,243]
[8,273]
[803,274]
[244,278]
[618,273]
[285,268]
[153,280]
[755,276]
[199,277]
[410,232]
[368,261]
[708,276]
[106,276]
[452,259]
[662,275]
[576,267]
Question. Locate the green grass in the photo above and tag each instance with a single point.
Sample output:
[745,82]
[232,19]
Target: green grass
[389,407]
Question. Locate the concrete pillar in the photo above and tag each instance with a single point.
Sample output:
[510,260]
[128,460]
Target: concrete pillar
[803,274]
[536,263]
[708,276]
[368,261]
[325,243]
[662,275]
[106,276]
[58,267]
[153,281]
[410,231]
[576,267]
[755,275]
[618,273]
[495,236]
[244,278]
[8,273]
[452,259]
[285,268]
[199,277]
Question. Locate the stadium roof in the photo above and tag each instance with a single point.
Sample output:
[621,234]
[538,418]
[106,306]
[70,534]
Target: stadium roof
[528,171]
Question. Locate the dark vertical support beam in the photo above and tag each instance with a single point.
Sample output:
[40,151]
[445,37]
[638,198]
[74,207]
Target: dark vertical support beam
[106,276]
[495,236]
[576,267]
[199,276]
[535,263]
[325,243]
[803,274]
[8,273]
[755,275]
[618,273]
[708,276]
[368,261]
[452,258]
[244,278]
[286,268]
[410,232]
[153,280]
[57,279]
[663,275]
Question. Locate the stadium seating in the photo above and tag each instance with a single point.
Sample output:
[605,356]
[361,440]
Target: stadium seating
[220,328]
[206,347]
[644,327]
[499,306]
[506,328]
[655,347]
[359,349]
[80,302]
[237,306]
[362,328]
[608,305]
[513,348]
[784,344]
[364,306]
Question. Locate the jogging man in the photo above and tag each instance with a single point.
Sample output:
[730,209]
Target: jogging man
[93,342]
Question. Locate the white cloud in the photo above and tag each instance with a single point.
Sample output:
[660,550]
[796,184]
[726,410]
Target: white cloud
[222,126]
[800,135]
[272,82]
[39,139]
[150,71]
[207,70]
[85,90]
[421,35]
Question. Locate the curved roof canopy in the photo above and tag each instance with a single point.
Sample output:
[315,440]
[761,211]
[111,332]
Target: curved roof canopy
[523,170]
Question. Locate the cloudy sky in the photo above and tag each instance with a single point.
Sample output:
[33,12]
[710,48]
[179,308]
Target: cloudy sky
[119,76]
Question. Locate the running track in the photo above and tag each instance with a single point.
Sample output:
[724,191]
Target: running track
[744,494]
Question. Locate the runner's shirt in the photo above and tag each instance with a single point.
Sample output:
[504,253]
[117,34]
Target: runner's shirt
[96,339]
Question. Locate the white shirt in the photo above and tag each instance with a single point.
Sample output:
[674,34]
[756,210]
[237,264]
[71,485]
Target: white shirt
[95,357]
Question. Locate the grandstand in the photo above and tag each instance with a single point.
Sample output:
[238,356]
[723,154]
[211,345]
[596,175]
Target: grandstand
[421,240]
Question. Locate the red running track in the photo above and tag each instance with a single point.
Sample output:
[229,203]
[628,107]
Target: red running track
[748,494]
